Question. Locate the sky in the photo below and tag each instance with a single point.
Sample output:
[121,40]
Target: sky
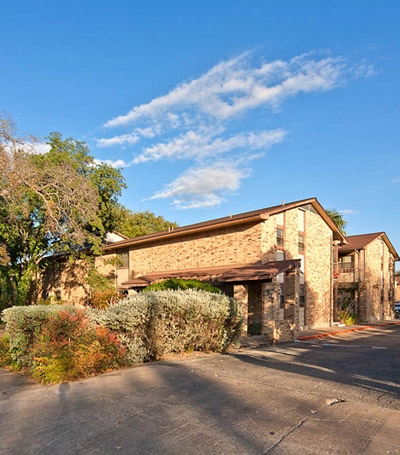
[217,107]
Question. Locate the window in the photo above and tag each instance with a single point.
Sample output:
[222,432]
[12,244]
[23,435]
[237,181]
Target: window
[279,237]
[300,242]
[123,256]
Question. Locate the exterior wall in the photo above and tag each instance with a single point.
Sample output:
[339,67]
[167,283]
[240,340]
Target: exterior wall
[317,259]
[377,288]
[229,246]
[372,280]
[243,244]
[65,281]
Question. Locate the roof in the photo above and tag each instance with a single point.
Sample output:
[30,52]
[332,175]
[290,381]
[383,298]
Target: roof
[360,242]
[231,220]
[221,274]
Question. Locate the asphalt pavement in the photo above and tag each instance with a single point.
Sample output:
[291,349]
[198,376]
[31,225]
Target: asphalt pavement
[325,393]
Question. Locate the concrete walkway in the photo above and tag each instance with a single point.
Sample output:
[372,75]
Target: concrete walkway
[255,342]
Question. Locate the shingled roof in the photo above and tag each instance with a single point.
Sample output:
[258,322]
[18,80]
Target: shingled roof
[231,220]
[360,242]
[220,274]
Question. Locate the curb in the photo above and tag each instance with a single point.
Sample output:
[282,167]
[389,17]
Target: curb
[338,332]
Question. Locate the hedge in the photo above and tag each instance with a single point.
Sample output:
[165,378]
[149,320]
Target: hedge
[147,326]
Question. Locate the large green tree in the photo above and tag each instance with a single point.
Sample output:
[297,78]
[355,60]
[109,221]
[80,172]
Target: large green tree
[338,219]
[59,201]
[134,224]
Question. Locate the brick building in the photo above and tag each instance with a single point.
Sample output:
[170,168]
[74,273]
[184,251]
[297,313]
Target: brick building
[277,261]
[280,262]
[366,276]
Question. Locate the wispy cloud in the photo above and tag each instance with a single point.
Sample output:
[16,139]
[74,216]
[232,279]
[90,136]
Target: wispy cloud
[202,143]
[193,120]
[204,186]
[118,164]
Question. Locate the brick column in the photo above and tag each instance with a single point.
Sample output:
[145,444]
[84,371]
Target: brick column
[270,309]
[292,292]
[241,295]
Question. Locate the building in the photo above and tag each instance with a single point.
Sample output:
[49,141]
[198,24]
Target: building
[365,276]
[277,261]
[288,265]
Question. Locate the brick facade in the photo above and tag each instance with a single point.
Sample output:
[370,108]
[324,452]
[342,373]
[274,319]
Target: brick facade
[271,305]
[367,276]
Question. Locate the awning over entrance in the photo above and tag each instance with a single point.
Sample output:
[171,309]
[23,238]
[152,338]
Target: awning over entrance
[221,274]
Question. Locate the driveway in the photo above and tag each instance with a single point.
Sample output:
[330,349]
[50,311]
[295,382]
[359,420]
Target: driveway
[331,396]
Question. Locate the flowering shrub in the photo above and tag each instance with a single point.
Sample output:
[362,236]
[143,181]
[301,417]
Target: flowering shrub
[69,347]
[62,343]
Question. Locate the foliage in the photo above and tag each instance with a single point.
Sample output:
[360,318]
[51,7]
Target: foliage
[69,348]
[102,289]
[129,318]
[348,318]
[57,202]
[191,320]
[338,220]
[134,224]
[177,283]
[24,324]
[5,353]
[62,343]
[346,304]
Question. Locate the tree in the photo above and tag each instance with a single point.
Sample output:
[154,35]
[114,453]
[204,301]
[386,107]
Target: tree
[337,218]
[134,224]
[57,202]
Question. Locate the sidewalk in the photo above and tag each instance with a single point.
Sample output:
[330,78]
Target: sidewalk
[304,335]
[338,330]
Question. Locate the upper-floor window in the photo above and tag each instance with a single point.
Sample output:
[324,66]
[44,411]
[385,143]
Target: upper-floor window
[300,242]
[123,258]
[279,237]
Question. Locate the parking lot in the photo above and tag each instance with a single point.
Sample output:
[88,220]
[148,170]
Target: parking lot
[332,395]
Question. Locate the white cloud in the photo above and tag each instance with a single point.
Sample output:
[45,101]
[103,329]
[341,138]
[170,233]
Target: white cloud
[236,85]
[203,187]
[192,121]
[41,148]
[200,144]
[119,140]
[118,164]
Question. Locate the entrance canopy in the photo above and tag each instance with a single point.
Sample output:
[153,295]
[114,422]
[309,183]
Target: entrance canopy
[220,274]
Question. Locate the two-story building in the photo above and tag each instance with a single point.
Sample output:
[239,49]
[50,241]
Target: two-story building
[277,261]
[365,276]
[288,265]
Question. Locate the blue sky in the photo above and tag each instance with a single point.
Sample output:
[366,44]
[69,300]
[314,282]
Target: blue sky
[216,107]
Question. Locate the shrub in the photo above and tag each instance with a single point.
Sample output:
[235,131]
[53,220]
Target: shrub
[61,343]
[24,324]
[347,317]
[129,319]
[5,354]
[192,320]
[69,347]
[180,284]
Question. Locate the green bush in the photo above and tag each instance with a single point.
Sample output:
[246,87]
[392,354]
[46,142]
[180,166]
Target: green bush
[69,347]
[191,320]
[347,317]
[61,343]
[5,353]
[177,284]
[129,319]
[24,324]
